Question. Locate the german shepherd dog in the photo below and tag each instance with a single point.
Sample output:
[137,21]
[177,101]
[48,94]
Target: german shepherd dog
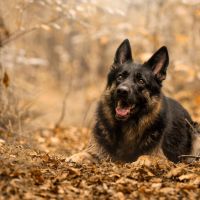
[133,116]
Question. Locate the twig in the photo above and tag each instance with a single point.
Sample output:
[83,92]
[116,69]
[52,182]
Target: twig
[87,113]
[63,111]
[62,115]
[17,35]
[189,156]
[192,127]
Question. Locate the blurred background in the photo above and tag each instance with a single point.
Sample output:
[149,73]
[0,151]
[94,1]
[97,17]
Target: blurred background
[55,54]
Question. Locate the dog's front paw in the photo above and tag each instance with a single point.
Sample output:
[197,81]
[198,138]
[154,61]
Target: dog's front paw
[82,157]
[149,160]
[144,160]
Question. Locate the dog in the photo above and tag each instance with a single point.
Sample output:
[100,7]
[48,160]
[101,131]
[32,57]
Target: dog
[134,118]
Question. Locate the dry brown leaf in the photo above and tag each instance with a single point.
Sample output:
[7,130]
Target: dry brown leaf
[175,172]
[187,177]
[156,185]
[167,190]
[6,79]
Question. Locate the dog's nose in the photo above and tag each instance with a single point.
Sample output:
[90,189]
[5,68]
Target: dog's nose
[123,91]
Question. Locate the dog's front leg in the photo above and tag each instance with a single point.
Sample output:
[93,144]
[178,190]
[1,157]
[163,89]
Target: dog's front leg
[92,154]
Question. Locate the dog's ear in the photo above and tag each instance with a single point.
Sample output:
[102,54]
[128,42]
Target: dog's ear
[123,53]
[159,63]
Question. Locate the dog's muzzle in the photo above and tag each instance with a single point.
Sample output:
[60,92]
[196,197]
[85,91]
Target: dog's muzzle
[123,107]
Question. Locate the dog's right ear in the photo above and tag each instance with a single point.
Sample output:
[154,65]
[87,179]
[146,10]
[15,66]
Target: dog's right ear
[123,53]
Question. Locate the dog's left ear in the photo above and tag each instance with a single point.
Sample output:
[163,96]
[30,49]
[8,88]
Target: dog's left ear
[159,63]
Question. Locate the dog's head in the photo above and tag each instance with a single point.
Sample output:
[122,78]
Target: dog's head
[134,87]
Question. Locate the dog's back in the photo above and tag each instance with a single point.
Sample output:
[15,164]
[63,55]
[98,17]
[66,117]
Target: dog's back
[177,136]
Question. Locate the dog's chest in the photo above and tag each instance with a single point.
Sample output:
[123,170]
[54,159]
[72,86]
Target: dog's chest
[135,142]
[129,142]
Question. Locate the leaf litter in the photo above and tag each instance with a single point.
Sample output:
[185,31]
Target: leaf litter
[29,173]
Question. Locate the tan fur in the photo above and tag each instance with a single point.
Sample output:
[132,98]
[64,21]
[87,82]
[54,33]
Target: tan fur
[106,112]
[158,152]
[104,99]
[146,120]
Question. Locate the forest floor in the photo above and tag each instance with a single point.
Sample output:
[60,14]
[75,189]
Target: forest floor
[27,173]
[39,171]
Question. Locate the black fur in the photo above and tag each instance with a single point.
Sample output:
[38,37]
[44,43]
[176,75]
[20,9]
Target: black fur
[134,117]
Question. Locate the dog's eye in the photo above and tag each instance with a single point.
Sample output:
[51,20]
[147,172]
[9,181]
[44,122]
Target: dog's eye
[120,78]
[141,81]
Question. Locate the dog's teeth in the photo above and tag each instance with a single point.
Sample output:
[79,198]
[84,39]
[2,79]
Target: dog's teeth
[133,106]
[118,104]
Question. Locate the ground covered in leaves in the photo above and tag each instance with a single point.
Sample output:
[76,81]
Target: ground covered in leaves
[39,171]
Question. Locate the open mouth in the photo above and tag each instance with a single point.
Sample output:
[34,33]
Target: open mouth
[123,110]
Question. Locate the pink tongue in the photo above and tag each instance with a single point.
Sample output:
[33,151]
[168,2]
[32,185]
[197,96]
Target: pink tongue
[122,111]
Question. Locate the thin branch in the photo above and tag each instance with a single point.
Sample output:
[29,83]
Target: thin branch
[15,36]
[191,126]
[63,111]
[19,34]
[87,113]
[189,156]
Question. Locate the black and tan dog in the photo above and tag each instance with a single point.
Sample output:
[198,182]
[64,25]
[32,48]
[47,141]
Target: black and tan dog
[135,118]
